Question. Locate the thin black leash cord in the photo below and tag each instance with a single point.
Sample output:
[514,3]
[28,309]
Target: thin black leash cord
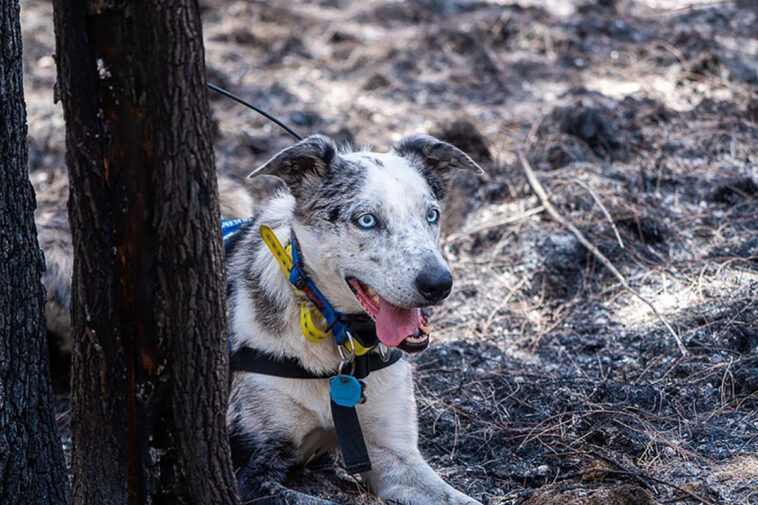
[260,111]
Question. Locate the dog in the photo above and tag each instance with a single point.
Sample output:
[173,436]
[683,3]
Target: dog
[367,225]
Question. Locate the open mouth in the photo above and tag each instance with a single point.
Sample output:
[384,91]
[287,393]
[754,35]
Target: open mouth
[404,328]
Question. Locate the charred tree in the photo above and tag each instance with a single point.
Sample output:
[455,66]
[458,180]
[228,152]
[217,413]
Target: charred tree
[32,469]
[149,363]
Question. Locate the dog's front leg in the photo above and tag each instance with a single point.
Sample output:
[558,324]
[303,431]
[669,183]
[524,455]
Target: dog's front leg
[266,428]
[399,473]
[261,477]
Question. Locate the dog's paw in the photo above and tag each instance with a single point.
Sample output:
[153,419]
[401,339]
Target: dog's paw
[401,495]
[462,499]
[466,500]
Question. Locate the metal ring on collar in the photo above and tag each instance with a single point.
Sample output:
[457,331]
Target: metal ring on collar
[384,352]
[351,350]
[343,363]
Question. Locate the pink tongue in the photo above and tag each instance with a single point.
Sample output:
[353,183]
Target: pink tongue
[393,324]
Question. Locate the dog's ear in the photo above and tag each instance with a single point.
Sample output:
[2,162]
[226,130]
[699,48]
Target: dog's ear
[440,157]
[438,160]
[308,158]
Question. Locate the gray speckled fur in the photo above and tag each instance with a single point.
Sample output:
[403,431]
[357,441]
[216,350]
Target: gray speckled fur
[55,240]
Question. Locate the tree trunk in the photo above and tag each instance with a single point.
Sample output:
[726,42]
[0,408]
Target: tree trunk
[149,364]
[32,469]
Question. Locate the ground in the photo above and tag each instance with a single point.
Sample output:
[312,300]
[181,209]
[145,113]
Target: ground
[548,382]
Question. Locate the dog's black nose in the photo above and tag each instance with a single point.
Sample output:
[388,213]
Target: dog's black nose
[434,283]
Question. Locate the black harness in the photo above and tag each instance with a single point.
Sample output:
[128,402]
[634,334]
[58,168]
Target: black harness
[247,359]
[346,424]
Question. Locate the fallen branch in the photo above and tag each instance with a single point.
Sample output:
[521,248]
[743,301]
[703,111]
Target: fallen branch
[542,195]
[641,479]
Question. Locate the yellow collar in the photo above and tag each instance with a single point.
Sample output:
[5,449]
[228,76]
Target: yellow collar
[312,323]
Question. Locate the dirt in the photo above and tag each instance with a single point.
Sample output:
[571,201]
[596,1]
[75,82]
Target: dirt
[548,382]
[617,495]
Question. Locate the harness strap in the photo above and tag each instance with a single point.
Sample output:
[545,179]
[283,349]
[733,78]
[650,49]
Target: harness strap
[280,254]
[299,278]
[247,359]
[351,440]
[346,423]
[231,226]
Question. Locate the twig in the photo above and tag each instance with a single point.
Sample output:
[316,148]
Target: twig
[511,292]
[495,223]
[530,136]
[542,195]
[602,207]
[643,475]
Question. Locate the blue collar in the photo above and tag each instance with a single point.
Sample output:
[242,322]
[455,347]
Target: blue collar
[336,321]
[300,279]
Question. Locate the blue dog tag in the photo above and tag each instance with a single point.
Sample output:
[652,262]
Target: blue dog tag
[345,390]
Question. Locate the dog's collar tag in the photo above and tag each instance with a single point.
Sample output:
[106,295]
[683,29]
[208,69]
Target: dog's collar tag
[345,390]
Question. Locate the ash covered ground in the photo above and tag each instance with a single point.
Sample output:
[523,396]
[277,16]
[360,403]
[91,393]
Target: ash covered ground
[548,382]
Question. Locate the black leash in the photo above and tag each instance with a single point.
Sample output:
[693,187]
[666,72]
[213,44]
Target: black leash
[350,437]
[257,109]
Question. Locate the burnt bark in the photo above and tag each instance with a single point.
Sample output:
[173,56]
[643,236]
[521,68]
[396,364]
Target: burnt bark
[32,469]
[149,364]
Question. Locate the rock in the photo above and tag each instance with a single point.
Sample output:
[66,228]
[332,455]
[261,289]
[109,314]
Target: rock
[376,81]
[258,144]
[339,36]
[567,151]
[306,119]
[647,228]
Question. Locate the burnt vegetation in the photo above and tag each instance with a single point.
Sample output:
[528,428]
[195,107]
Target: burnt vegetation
[548,381]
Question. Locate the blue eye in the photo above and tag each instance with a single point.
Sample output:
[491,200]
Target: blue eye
[432,216]
[366,221]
